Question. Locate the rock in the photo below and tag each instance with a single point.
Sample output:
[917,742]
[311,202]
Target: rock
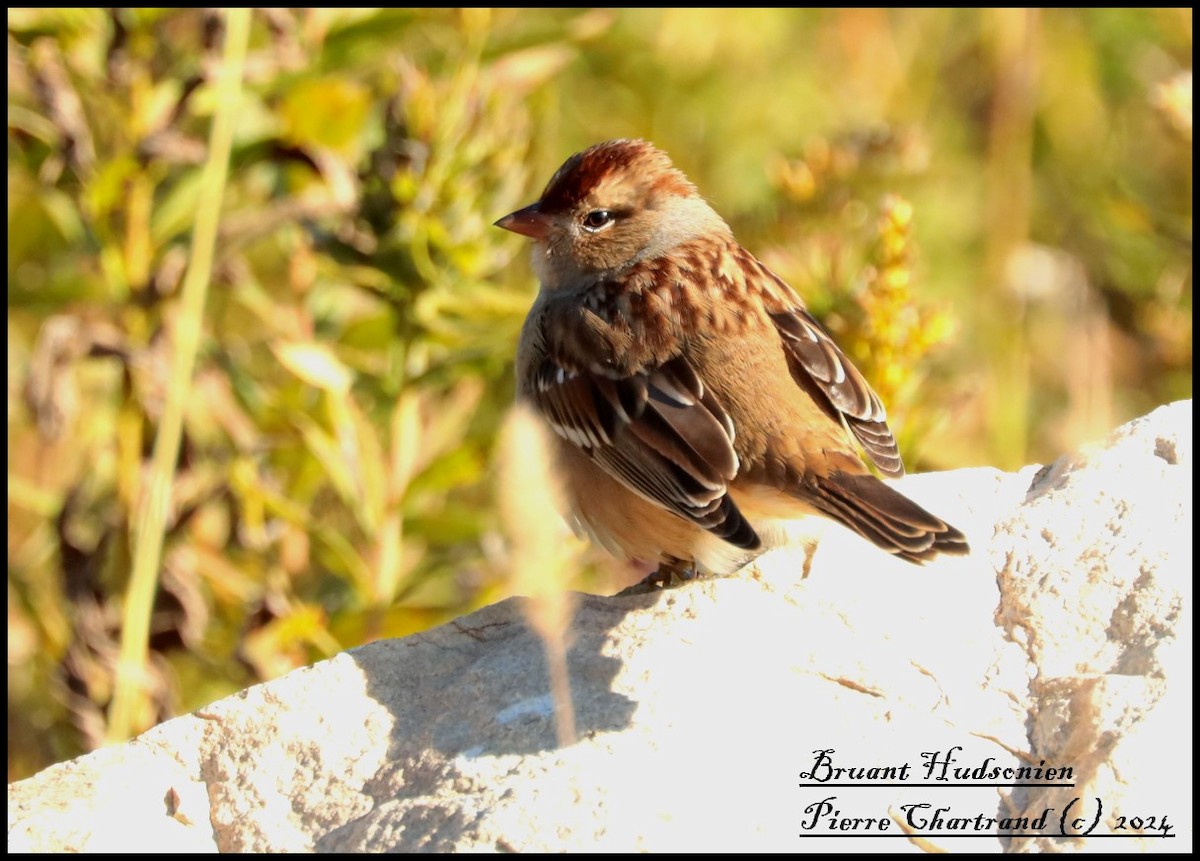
[1064,637]
[1095,572]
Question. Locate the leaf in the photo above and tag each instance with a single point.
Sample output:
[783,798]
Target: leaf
[527,70]
[327,113]
[326,449]
[175,214]
[316,365]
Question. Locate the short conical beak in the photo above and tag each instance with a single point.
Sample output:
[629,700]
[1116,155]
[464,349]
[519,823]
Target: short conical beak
[530,221]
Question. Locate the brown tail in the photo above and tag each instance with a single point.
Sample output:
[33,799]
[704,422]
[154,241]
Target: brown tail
[884,517]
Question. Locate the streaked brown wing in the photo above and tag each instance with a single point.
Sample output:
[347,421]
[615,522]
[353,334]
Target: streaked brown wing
[822,369]
[660,432]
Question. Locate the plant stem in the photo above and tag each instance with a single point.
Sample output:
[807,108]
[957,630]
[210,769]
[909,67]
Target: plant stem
[128,711]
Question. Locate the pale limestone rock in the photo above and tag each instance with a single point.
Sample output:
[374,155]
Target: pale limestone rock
[1095,569]
[1066,637]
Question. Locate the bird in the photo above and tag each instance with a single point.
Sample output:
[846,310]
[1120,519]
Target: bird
[696,405]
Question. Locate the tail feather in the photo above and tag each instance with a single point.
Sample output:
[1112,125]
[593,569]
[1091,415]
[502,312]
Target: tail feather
[884,517]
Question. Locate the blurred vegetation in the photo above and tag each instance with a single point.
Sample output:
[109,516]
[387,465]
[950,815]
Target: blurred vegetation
[991,208]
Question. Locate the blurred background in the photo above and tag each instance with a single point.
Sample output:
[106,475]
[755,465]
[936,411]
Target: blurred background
[991,209]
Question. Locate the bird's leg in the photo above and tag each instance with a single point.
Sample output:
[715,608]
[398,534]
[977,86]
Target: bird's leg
[671,572]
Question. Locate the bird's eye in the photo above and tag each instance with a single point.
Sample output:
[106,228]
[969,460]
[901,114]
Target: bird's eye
[597,219]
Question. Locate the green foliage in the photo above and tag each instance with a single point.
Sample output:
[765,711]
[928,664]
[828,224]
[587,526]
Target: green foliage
[992,209]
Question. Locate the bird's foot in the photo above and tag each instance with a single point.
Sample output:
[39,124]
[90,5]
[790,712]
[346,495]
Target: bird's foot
[671,572]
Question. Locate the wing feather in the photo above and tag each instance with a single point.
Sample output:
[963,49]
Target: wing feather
[824,371]
[658,430]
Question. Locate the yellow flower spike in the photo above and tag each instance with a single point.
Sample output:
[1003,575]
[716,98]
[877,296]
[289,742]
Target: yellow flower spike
[896,278]
[797,180]
[898,211]
[893,375]
[937,327]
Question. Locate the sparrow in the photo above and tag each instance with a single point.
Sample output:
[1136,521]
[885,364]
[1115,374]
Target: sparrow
[696,404]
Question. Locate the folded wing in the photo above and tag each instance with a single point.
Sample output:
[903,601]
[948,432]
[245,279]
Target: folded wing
[822,369]
[660,431]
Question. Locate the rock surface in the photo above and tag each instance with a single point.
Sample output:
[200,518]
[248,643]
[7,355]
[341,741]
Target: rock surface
[1065,638]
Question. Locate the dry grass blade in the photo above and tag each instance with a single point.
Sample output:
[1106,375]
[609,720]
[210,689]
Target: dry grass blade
[126,714]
